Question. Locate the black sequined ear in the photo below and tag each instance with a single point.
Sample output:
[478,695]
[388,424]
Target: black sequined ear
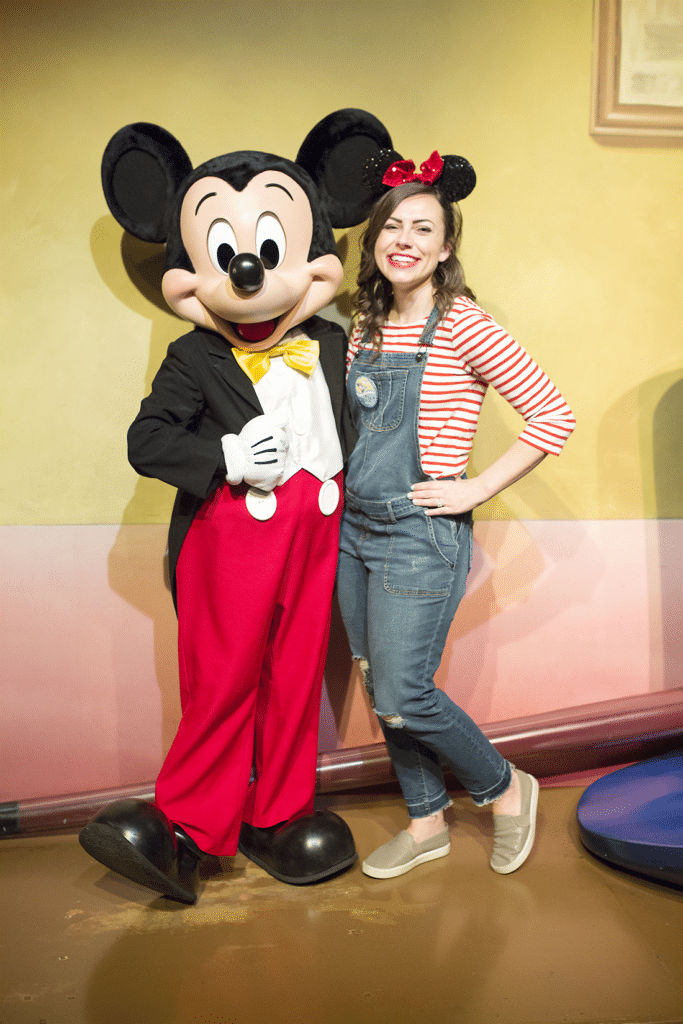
[375,168]
[456,181]
[457,178]
[334,153]
[142,169]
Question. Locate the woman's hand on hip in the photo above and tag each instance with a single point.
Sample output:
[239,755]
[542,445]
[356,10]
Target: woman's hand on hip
[453,497]
[447,497]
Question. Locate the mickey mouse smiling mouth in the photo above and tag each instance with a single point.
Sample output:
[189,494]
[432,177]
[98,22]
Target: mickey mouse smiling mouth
[255,332]
[251,279]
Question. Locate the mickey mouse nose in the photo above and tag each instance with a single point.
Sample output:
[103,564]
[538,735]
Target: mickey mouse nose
[246,272]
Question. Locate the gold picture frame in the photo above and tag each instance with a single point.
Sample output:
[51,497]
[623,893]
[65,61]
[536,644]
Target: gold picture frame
[610,117]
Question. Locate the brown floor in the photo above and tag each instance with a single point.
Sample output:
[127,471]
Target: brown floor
[565,939]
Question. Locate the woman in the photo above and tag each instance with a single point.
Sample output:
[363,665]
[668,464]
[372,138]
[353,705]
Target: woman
[420,360]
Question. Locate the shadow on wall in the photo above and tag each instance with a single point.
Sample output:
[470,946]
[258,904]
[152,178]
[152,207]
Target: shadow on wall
[121,261]
[137,568]
[667,443]
[640,451]
[667,460]
[138,572]
[520,575]
[347,719]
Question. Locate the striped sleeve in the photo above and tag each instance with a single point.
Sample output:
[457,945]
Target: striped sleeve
[497,359]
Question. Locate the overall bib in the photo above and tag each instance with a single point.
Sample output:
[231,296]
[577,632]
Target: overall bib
[401,576]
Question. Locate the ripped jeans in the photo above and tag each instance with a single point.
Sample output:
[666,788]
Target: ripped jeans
[400,581]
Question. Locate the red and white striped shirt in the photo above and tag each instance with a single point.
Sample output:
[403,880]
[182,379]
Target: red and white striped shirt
[469,352]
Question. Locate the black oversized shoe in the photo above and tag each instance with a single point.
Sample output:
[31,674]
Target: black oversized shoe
[136,839]
[305,850]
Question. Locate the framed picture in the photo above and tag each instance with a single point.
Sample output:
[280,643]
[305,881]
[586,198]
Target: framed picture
[637,87]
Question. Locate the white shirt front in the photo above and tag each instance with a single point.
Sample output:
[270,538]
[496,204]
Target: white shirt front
[302,405]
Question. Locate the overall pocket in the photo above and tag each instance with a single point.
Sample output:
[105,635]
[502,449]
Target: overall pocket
[379,397]
[451,538]
[424,553]
[413,563]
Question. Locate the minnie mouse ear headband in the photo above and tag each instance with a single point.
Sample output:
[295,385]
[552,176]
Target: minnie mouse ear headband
[453,175]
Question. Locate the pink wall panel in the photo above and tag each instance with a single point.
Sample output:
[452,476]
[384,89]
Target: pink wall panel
[556,614]
[89,675]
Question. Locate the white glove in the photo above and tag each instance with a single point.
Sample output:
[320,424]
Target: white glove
[257,454]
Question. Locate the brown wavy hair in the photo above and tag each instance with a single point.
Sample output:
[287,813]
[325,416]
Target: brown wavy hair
[375,295]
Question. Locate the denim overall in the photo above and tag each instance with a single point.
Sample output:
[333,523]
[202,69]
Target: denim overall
[401,577]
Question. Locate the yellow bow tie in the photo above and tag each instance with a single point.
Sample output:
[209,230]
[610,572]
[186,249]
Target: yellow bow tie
[301,354]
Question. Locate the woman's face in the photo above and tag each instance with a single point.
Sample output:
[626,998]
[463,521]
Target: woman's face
[411,244]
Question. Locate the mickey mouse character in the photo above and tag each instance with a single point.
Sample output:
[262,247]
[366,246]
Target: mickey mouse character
[247,418]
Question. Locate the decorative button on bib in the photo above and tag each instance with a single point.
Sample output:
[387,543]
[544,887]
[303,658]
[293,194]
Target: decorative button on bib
[328,498]
[366,392]
[260,505]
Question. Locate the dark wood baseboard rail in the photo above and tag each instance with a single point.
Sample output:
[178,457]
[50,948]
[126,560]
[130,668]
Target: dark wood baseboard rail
[590,736]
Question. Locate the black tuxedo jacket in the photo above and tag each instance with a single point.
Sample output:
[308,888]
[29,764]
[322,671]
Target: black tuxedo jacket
[199,394]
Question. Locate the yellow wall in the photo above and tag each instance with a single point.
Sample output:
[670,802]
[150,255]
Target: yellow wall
[573,245]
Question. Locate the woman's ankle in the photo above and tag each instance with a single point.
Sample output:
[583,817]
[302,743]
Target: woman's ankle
[509,802]
[424,828]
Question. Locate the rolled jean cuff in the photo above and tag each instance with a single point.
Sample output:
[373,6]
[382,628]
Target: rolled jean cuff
[498,790]
[439,805]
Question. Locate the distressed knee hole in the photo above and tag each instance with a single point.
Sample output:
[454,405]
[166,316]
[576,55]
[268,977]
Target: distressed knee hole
[395,721]
[364,667]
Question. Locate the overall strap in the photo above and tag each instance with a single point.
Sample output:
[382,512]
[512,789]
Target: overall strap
[426,337]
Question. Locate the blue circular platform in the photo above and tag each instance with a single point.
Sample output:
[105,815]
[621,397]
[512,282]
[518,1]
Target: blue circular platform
[633,818]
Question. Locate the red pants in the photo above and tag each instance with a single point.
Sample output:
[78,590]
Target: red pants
[253,624]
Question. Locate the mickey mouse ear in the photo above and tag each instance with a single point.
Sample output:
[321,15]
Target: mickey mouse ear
[334,154]
[142,168]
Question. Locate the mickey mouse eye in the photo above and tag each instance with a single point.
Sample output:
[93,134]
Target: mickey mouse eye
[270,241]
[222,245]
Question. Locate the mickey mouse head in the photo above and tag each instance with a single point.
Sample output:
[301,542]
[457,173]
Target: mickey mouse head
[250,251]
